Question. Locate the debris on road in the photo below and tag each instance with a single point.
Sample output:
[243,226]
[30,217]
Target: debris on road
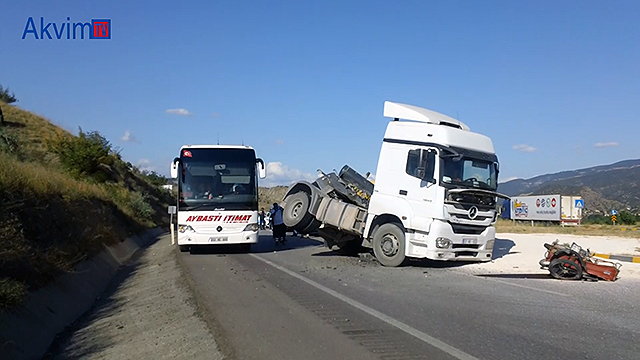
[566,262]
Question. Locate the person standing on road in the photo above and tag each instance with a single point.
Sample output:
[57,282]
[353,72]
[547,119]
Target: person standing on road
[261,221]
[279,228]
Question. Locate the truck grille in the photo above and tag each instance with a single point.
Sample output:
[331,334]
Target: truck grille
[465,207]
[466,217]
[466,253]
[467,229]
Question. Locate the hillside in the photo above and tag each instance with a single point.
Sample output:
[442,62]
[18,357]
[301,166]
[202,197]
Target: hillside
[603,187]
[267,196]
[62,198]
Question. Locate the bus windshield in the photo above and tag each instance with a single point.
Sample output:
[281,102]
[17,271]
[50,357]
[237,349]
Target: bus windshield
[217,179]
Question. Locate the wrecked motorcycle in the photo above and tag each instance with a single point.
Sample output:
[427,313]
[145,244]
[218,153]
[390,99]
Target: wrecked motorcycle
[566,262]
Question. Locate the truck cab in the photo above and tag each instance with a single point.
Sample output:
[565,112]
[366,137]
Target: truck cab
[438,179]
[434,195]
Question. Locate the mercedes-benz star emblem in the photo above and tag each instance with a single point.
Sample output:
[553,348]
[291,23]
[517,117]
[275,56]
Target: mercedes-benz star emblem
[473,212]
[219,228]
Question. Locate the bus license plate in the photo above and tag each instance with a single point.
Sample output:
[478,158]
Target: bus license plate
[469,241]
[218,239]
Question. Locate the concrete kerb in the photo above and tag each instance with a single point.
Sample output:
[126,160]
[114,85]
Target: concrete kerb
[632,259]
[27,332]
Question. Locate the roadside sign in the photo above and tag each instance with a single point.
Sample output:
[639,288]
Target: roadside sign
[579,204]
[613,219]
[172,210]
[614,212]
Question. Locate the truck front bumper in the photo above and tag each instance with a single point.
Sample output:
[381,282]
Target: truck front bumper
[462,247]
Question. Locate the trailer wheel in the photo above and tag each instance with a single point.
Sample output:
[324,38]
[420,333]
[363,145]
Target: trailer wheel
[296,213]
[388,245]
[564,269]
[183,248]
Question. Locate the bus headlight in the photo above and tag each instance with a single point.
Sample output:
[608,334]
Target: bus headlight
[489,245]
[185,228]
[443,243]
[251,227]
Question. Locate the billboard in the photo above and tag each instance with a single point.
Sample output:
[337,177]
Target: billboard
[538,207]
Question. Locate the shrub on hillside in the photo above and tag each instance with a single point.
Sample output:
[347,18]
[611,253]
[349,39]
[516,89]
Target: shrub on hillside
[597,219]
[626,218]
[6,97]
[141,206]
[154,178]
[11,292]
[132,203]
[89,155]
[8,143]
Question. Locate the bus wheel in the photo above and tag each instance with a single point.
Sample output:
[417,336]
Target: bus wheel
[388,245]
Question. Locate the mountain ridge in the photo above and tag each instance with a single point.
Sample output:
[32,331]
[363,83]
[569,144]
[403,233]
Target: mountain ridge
[606,186]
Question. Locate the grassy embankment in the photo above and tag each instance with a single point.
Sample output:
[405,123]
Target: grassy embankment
[508,226]
[52,217]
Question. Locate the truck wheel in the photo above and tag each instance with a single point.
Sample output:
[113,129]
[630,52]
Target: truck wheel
[183,248]
[564,269]
[313,226]
[296,214]
[388,245]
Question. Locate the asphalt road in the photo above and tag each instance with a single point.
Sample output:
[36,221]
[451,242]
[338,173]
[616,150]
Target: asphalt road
[303,301]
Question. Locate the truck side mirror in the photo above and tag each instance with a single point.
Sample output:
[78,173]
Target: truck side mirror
[262,171]
[174,168]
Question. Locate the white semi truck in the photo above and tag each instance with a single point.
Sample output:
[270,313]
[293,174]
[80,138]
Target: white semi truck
[217,195]
[434,195]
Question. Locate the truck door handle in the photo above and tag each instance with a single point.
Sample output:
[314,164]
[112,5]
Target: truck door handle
[403,192]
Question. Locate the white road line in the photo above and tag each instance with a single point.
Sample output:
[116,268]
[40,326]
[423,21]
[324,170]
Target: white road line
[457,353]
[512,284]
[526,287]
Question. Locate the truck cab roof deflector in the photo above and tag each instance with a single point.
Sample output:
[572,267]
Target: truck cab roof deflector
[415,113]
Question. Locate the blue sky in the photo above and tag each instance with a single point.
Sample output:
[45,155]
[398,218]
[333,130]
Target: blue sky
[555,84]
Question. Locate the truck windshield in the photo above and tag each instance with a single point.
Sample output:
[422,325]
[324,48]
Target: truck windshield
[217,179]
[469,172]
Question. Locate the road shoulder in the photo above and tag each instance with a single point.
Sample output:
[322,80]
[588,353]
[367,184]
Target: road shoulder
[147,313]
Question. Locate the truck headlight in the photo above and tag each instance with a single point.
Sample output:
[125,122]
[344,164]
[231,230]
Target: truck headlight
[443,243]
[489,245]
[185,228]
[251,227]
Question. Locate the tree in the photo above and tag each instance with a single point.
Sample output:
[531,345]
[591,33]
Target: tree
[626,218]
[6,97]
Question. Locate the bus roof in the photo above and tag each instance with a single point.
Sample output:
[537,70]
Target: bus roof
[216,147]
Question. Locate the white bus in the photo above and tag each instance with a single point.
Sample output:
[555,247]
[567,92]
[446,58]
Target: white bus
[217,195]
